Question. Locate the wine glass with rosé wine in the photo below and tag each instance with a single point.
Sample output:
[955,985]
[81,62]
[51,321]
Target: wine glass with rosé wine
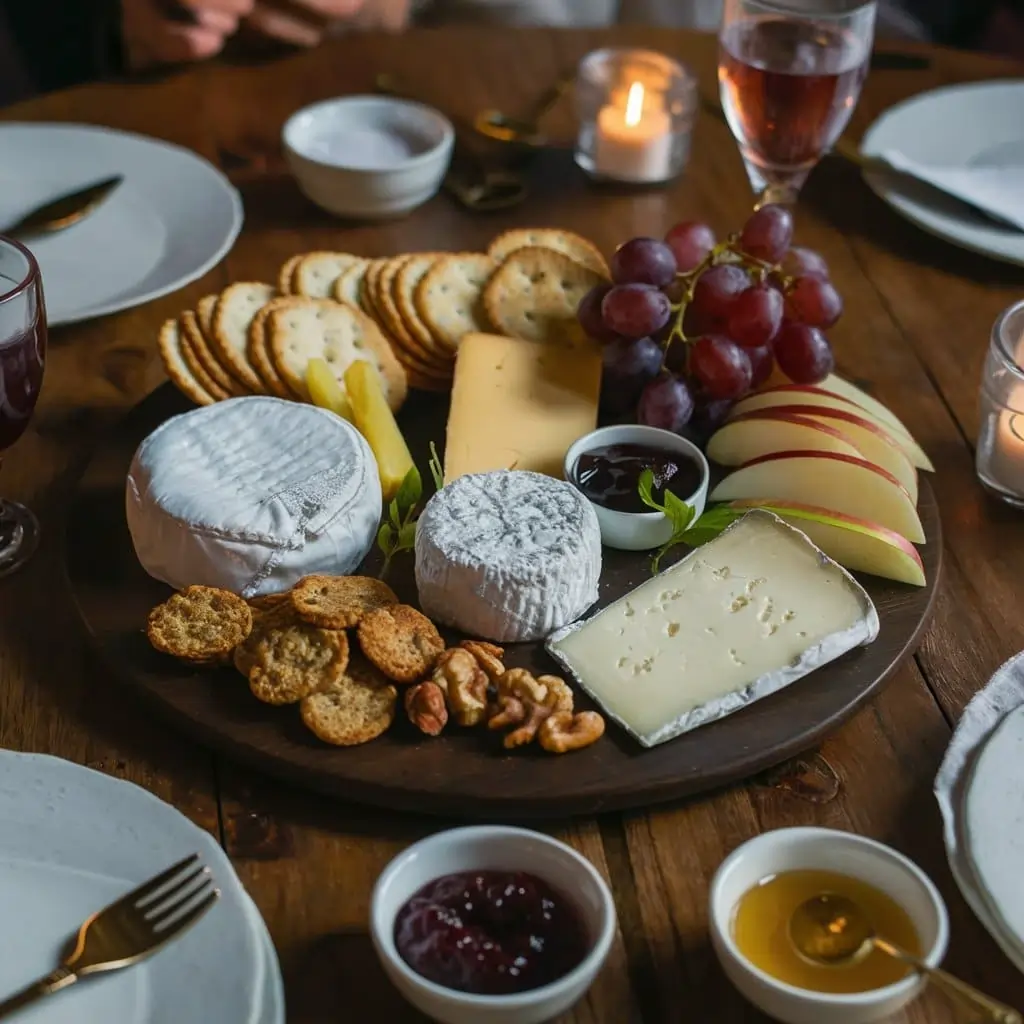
[22,354]
[790,73]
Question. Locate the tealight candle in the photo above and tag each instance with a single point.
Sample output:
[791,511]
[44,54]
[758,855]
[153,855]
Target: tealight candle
[636,111]
[634,142]
[1000,450]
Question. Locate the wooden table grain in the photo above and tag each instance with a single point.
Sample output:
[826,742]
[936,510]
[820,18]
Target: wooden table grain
[918,314]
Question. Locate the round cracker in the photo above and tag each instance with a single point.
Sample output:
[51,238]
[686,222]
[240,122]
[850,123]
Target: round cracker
[197,342]
[401,641]
[349,285]
[205,308]
[576,247]
[258,348]
[286,275]
[535,293]
[409,275]
[337,333]
[199,623]
[236,307]
[359,708]
[448,298]
[314,275]
[289,661]
[338,602]
[177,370]
[195,364]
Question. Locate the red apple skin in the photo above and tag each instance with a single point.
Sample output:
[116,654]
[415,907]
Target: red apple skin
[791,414]
[896,539]
[788,411]
[828,455]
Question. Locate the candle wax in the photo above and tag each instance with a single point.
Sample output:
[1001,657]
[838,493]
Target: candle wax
[633,152]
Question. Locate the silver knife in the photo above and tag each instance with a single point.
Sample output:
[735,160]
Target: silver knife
[60,213]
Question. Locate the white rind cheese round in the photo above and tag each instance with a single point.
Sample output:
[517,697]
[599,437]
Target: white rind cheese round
[507,556]
[252,494]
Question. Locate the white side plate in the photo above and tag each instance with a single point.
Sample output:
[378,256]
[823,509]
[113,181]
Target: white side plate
[173,218]
[962,126]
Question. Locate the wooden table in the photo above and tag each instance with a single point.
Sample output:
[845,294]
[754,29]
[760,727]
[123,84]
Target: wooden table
[917,324]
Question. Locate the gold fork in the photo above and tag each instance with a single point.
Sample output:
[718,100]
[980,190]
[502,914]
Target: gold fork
[130,930]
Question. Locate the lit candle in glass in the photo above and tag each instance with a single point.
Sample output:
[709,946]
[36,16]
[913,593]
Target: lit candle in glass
[636,110]
[634,141]
[1000,449]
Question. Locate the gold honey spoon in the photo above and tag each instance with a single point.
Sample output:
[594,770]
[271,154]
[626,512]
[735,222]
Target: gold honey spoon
[523,131]
[832,930]
[64,211]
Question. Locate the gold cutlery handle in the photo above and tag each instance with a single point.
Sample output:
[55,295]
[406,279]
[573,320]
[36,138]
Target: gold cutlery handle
[993,1010]
[53,982]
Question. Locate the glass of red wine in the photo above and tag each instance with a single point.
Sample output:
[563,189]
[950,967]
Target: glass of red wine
[790,73]
[22,354]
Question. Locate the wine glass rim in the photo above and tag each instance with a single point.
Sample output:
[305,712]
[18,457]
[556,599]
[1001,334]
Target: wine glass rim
[33,269]
[793,7]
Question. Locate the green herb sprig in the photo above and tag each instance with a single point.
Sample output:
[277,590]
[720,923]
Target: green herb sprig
[681,515]
[398,532]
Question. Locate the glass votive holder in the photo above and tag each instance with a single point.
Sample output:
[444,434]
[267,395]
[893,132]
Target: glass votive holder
[636,112]
[999,458]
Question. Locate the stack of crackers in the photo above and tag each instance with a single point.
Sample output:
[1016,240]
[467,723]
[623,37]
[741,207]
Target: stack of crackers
[334,645]
[339,647]
[404,314]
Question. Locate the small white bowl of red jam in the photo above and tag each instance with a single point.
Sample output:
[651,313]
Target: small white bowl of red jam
[606,465]
[491,925]
[760,884]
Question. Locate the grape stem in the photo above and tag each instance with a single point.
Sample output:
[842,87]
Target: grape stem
[732,253]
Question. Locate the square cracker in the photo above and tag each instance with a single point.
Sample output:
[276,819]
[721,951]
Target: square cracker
[236,307]
[576,247]
[337,333]
[448,298]
[314,275]
[535,293]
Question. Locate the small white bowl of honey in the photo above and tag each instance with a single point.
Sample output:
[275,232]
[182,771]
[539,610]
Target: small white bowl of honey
[759,887]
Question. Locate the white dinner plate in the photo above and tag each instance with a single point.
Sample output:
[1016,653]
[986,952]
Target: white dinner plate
[993,812]
[964,126]
[71,841]
[173,218]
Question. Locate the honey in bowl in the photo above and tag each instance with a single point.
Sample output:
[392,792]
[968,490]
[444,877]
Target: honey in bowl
[761,931]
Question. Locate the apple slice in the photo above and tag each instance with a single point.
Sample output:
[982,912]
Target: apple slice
[873,442]
[845,389]
[769,431]
[819,396]
[854,487]
[855,543]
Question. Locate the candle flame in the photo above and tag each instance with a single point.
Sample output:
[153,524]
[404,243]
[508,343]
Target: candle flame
[634,104]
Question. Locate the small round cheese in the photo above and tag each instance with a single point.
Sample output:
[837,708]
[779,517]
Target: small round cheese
[508,555]
[251,494]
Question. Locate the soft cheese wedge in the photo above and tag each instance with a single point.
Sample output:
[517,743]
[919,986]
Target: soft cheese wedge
[741,617]
[519,404]
[851,486]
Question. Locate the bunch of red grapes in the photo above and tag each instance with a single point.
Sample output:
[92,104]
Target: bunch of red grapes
[690,325]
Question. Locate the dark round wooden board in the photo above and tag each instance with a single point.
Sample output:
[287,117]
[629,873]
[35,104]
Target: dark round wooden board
[464,773]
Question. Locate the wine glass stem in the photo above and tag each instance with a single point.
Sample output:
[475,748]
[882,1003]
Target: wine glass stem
[783,195]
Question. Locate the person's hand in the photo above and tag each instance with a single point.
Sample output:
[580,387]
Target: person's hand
[307,22]
[178,31]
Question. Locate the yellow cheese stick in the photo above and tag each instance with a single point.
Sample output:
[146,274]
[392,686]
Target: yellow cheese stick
[325,390]
[376,423]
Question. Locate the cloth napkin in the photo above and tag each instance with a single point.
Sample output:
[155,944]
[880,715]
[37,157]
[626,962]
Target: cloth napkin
[1003,693]
[998,189]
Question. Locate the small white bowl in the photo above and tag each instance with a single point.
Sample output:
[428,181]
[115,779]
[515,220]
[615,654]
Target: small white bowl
[492,847]
[638,531]
[823,849]
[368,156]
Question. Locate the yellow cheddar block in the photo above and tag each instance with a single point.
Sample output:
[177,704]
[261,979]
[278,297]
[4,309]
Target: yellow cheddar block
[519,404]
